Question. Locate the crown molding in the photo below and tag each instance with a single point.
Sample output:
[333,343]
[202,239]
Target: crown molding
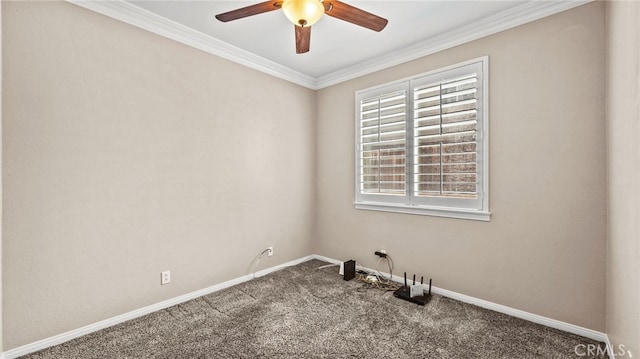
[526,12]
[147,20]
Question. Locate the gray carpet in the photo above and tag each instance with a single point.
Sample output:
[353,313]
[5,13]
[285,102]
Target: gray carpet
[305,312]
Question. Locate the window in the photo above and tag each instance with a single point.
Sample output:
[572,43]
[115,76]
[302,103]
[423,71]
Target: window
[422,144]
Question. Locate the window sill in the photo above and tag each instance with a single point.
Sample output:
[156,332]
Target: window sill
[426,211]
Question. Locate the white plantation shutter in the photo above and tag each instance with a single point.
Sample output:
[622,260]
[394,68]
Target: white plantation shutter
[383,143]
[421,144]
[445,133]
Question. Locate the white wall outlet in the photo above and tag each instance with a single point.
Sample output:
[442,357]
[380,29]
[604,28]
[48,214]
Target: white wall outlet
[165,277]
[269,251]
[383,251]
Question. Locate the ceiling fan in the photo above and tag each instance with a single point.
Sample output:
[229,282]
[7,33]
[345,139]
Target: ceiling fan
[304,13]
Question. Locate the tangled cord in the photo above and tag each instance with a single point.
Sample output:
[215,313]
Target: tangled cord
[377,280]
[380,284]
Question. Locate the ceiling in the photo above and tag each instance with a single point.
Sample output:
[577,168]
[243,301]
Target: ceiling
[339,50]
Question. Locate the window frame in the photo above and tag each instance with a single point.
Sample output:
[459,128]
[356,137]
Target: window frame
[474,209]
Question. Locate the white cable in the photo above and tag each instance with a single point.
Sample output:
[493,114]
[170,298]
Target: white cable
[328,265]
[258,261]
[390,265]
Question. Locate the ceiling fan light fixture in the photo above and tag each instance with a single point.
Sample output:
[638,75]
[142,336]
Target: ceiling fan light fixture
[303,12]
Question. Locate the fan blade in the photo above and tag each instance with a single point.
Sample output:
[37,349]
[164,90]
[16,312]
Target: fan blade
[354,15]
[303,39]
[249,10]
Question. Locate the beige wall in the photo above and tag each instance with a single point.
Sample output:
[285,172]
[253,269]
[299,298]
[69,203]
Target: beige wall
[1,326]
[126,154]
[623,132]
[543,251]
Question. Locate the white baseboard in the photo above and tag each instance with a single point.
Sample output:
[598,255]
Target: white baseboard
[72,334]
[325,259]
[553,323]
[609,347]
[535,318]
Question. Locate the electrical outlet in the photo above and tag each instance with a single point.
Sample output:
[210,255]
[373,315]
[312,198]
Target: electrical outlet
[165,277]
[270,251]
[381,253]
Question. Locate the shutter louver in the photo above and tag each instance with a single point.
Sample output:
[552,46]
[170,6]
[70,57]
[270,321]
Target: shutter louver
[445,138]
[422,144]
[383,144]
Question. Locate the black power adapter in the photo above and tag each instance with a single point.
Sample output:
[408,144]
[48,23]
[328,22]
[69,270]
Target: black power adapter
[349,269]
[380,254]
